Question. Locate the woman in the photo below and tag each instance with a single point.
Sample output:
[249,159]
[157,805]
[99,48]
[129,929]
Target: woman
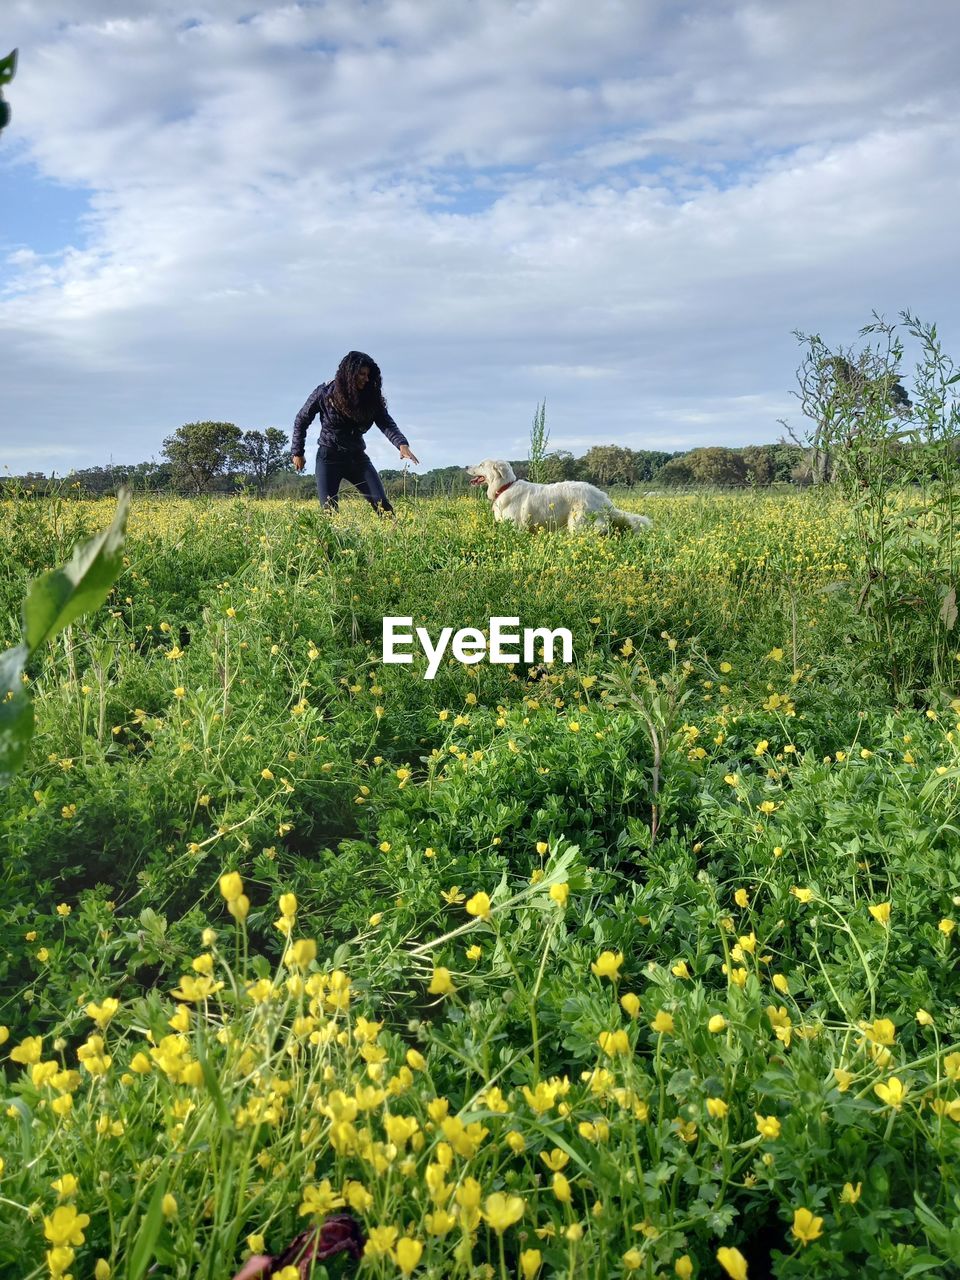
[348,407]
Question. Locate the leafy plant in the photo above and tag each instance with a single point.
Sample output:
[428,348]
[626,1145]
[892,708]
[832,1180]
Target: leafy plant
[53,601]
[895,460]
[539,439]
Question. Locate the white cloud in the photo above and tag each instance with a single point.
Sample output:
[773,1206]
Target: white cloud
[35,456]
[623,208]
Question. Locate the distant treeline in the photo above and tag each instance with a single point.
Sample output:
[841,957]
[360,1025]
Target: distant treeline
[604,465]
[609,465]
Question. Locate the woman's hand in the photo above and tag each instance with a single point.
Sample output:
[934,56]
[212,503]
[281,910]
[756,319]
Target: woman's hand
[411,457]
[298,462]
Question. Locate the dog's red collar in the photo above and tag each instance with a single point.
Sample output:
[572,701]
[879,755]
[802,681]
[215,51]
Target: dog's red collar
[503,489]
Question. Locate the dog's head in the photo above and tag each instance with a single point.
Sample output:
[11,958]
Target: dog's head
[494,473]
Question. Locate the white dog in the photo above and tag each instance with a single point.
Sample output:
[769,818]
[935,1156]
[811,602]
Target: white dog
[569,504]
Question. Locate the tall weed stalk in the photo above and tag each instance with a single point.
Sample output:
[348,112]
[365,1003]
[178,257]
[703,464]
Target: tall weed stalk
[539,439]
[895,460]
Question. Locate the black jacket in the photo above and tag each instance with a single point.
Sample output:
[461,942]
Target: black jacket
[337,432]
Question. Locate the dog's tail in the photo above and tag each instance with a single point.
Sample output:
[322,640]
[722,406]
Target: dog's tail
[627,520]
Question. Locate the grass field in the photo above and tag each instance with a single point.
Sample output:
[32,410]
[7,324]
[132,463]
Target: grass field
[643,965]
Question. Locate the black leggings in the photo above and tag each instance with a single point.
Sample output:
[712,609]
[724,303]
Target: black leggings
[359,470]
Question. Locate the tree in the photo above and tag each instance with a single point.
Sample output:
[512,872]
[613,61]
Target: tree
[607,464]
[758,461]
[201,451]
[716,465]
[559,464]
[648,462]
[771,463]
[261,454]
[675,471]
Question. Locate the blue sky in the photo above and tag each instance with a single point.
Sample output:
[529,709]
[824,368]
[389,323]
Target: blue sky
[624,208]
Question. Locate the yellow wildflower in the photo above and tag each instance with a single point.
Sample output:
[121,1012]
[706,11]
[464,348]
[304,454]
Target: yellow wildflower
[559,893]
[231,886]
[767,1126]
[65,1226]
[301,954]
[893,1092]
[881,1031]
[501,1211]
[479,906]
[440,1222]
[380,1241]
[607,965]
[28,1051]
[733,1263]
[806,1227]
[240,908]
[631,1004]
[561,1188]
[531,1260]
[613,1042]
[441,983]
[320,1199]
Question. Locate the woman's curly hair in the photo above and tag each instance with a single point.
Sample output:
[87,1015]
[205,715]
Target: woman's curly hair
[347,398]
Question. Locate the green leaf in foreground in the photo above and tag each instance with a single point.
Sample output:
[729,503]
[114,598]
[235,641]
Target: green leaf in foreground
[142,1253]
[8,67]
[16,713]
[56,598]
[53,601]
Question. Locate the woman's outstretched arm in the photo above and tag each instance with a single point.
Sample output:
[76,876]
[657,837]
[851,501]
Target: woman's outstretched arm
[303,420]
[393,433]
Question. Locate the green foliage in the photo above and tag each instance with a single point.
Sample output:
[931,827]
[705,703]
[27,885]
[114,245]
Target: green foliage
[539,439]
[262,454]
[716,792]
[608,464]
[895,461]
[716,466]
[201,451]
[53,602]
[8,69]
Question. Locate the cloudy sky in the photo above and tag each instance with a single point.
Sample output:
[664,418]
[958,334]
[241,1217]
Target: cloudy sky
[623,206]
